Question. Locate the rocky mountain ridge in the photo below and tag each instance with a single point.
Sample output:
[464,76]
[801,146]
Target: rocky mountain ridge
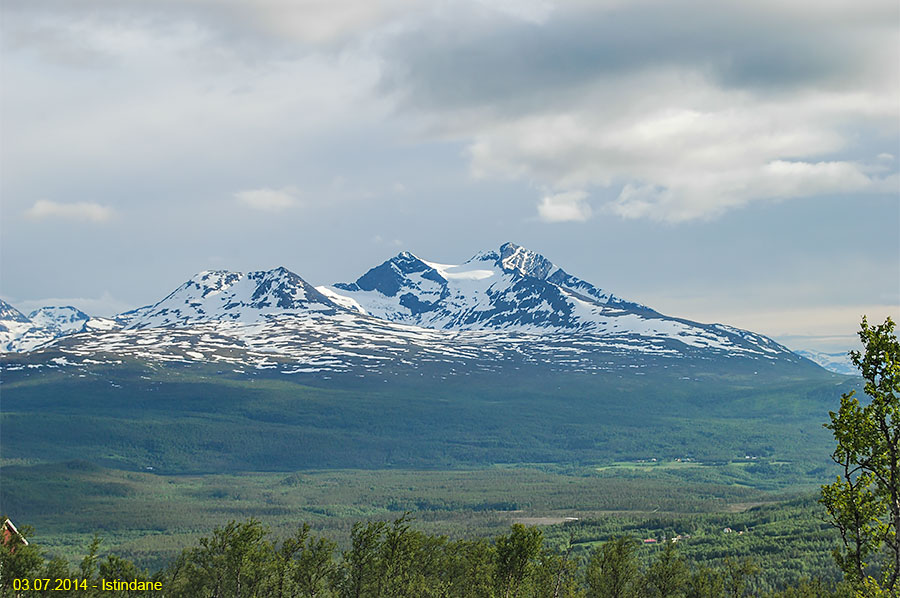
[507,304]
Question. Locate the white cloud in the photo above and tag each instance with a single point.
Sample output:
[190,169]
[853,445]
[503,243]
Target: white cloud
[568,206]
[676,106]
[382,241]
[269,200]
[671,105]
[79,211]
[680,148]
[708,195]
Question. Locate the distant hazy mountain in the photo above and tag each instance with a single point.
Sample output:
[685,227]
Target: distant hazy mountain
[21,334]
[59,321]
[838,363]
[13,327]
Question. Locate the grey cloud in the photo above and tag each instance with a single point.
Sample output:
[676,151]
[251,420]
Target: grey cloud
[485,60]
[163,109]
[248,31]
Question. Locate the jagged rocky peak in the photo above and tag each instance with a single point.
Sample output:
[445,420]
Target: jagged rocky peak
[283,289]
[18,333]
[9,313]
[390,277]
[510,288]
[514,258]
[507,290]
[278,287]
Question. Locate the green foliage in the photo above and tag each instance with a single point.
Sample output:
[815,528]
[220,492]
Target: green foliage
[361,566]
[393,560]
[89,563]
[162,514]
[811,589]
[612,571]
[159,514]
[556,574]
[705,582]
[114,567]
[516,554]
[17,559]
[230,564]
[738,573]
[864,502]
[668,575]
[308,562]
[787,541]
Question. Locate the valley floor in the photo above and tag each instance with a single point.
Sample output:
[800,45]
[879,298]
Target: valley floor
[150,518]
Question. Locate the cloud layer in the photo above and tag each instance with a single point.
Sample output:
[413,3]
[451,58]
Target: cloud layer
[564,207]
[269,200]
[630,140]
[678,111]
[684,110]
[77,211]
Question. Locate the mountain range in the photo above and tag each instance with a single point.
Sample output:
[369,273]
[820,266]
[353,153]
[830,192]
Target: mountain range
[500,305]
[504,358]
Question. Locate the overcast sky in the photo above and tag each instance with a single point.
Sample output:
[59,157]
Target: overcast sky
[722,161]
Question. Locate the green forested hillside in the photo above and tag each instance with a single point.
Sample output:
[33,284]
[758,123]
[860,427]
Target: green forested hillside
[182,419]
[154,458]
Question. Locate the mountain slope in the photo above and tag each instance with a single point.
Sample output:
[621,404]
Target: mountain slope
[515,289]
[13,326]
[220,295]
[21,334]
[59,320]
[512,288]
[506,308]
[504,359]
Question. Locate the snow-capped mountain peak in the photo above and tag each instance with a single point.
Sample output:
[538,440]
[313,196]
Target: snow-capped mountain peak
[59,319]
[8,313]
[231,296]
[499,301]
[510,288]
[13,325]
[518,290]
[388,278]
[514,258]
[20,333]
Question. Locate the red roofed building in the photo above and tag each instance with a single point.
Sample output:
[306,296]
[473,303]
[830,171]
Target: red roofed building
[11,535]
